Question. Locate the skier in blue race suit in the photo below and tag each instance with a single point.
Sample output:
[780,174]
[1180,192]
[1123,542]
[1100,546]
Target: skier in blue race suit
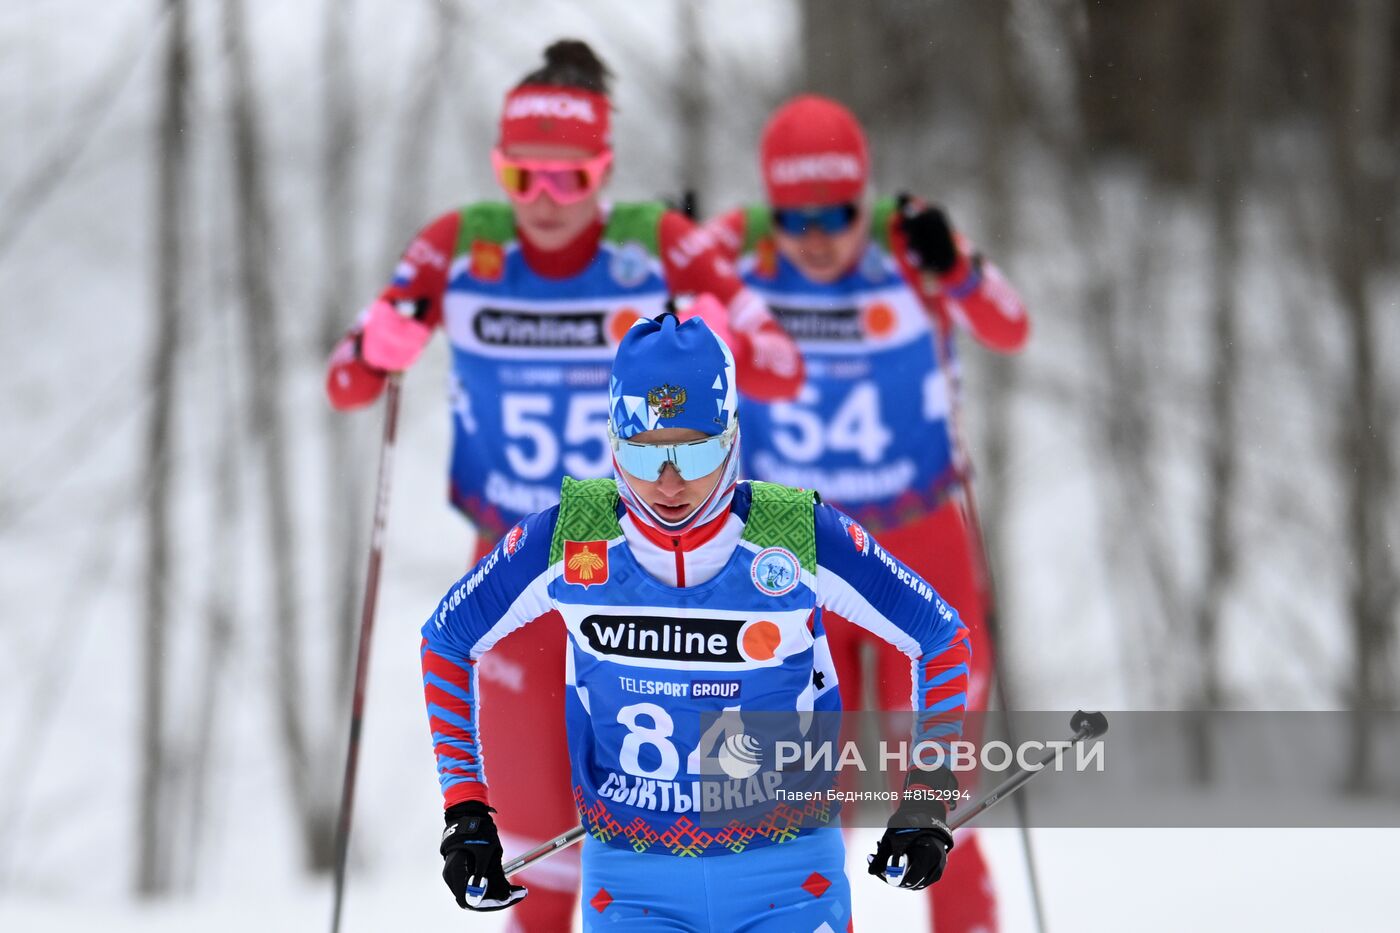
[685,592]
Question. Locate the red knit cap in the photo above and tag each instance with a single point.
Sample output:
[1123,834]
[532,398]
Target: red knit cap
[813,152]
[551,115]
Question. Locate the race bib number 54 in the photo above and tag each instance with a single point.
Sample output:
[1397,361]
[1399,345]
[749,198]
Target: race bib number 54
[802,435]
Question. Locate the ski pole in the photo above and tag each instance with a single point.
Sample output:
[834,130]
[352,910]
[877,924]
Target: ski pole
[376,553]
[1085,725]
[991,614]
[991,617]
[559,842]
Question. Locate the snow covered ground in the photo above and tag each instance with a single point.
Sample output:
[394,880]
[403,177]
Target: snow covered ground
[1094,881]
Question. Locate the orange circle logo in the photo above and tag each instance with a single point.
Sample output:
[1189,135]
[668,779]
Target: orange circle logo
[488,261]
[879,320]
[760,640]
[622,322]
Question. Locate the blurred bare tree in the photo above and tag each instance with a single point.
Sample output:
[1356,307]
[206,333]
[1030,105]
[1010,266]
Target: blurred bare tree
[346,511]
[1224,168]
[1362,154]
[1000,107]
[154,829]
[255,250]
[692,100]
[419,124]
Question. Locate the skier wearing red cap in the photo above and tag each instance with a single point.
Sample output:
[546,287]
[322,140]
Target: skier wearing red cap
[873,291]
[534,296]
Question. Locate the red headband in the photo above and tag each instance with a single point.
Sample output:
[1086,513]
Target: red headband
[550,115]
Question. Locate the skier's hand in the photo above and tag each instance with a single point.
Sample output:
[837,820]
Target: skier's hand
[915,847]
[928,234]
[912,858]
[773,350]
[392,337]
[471,852]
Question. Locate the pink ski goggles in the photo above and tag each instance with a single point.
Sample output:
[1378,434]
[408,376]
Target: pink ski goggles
[567,181]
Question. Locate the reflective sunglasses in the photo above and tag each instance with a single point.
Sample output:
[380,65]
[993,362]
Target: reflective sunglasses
[830,219]
[692,459]
[566,180]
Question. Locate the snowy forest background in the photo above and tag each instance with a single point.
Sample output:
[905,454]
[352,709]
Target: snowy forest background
[1189,479]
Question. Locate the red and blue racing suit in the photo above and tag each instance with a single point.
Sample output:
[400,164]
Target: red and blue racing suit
[659,633]
[875,430]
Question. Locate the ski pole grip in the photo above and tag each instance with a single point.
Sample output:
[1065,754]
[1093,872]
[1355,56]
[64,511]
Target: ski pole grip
[1088,725]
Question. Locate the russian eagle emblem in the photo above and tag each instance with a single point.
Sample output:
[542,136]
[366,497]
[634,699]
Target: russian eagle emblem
[666,400]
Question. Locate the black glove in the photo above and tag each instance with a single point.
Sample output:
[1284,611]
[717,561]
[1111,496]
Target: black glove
[915,847]
[928,235]
[471,852]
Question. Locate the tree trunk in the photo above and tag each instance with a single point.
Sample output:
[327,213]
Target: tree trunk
[1228,165]
[345,500]
[255,250]
[153,828]
[1366,443]
[225,505]
[413,155]
[1114,335]
[692,102]
[1145,82]
[993,406]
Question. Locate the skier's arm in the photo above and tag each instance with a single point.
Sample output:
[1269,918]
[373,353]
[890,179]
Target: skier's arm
[966,288]
[728,230]
[861,581]
[418,284]
[508,588]
[768,362]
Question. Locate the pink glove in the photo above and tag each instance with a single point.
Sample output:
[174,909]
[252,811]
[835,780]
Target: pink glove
[391,341]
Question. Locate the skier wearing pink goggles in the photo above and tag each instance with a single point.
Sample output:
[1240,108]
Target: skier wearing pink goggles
[567,181]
